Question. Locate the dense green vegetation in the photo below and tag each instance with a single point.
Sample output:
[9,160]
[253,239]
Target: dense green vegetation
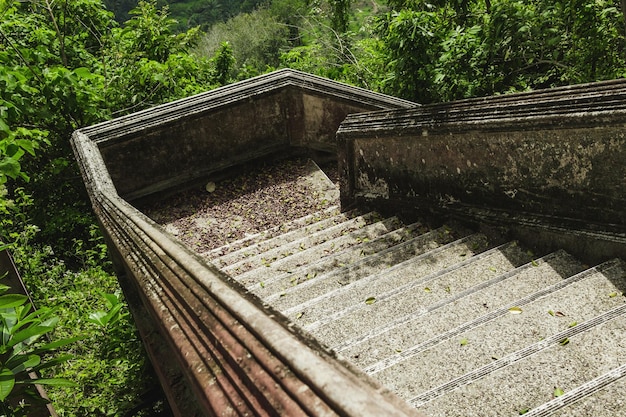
[71,63]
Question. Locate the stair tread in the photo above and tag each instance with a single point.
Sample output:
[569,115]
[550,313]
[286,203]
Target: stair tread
[282,239]
[416,295]
[393,257]
[422,265]
[299,253]
[601,397]
[523,381]
[242,243]
[398,245]
[578,302]
[389,342]
[314,240]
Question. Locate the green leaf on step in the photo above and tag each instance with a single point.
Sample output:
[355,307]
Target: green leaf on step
[515,310]
[300,314]
[613,295]
[463,342]
[262,284]
[398,350]
[448,289]
[302,246]
[492,269]
[282,294]
[534,263]
[558,392]
[370,300]
[463,254]
[523,411]
[427,289]
[572,324]
[550,312]
[564,341]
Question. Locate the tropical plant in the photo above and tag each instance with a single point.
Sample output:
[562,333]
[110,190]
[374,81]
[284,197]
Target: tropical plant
[22,355]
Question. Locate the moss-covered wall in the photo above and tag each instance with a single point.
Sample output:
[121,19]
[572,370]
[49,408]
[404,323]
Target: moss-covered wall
[176,143]
[554,159]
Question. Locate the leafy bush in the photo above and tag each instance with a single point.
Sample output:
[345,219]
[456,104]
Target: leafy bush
[21,356]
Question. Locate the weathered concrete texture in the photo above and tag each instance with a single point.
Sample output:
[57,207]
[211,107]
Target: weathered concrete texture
[217,350]
[559,153]
[448,325]
[179,142]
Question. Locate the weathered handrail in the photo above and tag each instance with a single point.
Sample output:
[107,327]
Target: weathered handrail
[236,356]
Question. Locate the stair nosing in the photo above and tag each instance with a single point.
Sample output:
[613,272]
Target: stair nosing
[350,233]
[517,356]
[213,253]
[224,258]
[584,390]
[486,318]
[401,288]
[471,290]
[354,265]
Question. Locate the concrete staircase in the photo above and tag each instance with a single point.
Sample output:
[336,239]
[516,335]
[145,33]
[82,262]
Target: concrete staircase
[455,322]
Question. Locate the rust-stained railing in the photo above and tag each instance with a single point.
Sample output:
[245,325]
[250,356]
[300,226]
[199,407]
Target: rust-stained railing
[236,356]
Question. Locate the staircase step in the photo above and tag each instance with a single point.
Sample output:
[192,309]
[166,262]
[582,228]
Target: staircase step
[428,327]
[284,238]
[529,377]
[356,262]
[299,245]
[309,250]
[404,292]
[601,397]
[586,296]
[317,300]
[383,251]
[272,232]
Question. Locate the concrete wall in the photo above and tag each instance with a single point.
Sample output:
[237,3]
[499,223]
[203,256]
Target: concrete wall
[557,157]
[173,144]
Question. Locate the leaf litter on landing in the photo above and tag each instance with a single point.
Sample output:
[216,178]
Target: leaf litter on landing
[257,199]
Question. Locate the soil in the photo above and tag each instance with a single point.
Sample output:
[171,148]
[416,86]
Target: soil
[256,199]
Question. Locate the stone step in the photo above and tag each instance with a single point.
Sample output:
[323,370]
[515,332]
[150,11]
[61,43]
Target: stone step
[317,297]
[529,377]
[253,239]
[427,327]
[470,354]
[301,253]
[602,396]
[267,258]
[394,296]
[286,237]
[382,252]
[361,260]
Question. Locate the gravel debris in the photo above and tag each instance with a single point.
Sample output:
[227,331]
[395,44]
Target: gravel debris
[257,199]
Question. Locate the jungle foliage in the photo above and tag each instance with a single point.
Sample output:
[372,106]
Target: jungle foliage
[65,64]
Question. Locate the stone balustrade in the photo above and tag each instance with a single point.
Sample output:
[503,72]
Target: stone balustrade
[216,349]
[549,165]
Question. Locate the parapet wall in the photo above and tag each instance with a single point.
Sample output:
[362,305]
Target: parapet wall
[175,143]
[216,349]
[555,157]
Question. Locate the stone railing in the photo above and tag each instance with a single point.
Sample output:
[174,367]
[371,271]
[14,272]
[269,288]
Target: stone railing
[550,165]
[218,351]
[176,143]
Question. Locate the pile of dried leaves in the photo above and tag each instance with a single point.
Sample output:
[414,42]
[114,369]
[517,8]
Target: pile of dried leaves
[257,199]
